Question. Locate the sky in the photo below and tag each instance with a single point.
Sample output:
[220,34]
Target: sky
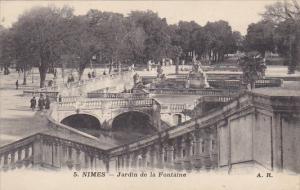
[239,14]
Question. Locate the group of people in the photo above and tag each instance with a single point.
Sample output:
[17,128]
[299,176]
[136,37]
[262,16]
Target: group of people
[43,103]
[93,75]
[70,78]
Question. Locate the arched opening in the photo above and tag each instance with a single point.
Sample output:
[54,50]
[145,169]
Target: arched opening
[82,122]
[134,123]
[177,119]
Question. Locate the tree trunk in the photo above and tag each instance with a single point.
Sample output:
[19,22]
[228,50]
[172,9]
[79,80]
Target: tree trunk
[43,72]
[294,56]
[24,78]
[252,85]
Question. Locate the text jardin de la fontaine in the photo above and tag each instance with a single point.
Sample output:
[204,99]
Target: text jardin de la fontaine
[130,174]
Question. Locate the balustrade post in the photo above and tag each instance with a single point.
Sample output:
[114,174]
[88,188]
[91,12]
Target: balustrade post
[37,152]
[206,146]
[127,161]
[26,157]
[19,160]
[12,160]
[153,155]
[144,158]
[91,161]
[170,155]
[197,161]
[161,156]
[134,160]
[97,161]
[179,157]
[5,162]
[77,160]
[189,153]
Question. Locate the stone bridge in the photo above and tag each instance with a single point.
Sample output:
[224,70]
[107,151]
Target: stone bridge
[104,112]
[251,131]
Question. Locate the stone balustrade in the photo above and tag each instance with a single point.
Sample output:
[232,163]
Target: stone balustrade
[17,155]
[237,84]
[222,99]
[201,92]
[117,95]
[37,93]
[55,90]
[46,151]
[268,83]
[174,108]
[105,103]
[68,98]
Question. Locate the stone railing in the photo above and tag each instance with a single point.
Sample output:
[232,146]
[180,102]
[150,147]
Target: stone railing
[268,83]
[131,103]
[105,104]
[37,93]
[222,99]
[55,90]
[174,108]
[117,95]
[222,68]
[17,154]
[68,98]
[52,152]
[237,84]
[204,92]
[97,78]
[226,84]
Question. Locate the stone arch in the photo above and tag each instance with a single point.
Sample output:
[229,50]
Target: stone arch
[133,120]
[177,118]
[82,121]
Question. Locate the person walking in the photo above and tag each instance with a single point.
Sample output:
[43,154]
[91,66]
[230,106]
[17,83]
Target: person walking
[47,102]
[17,84]
[33,103]
[93,74]
[41,102]
[89,75]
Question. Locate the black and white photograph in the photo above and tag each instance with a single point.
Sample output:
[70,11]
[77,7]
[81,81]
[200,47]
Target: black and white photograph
[200,94]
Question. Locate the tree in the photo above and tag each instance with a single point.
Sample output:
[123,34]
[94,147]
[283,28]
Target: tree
[157,34]
[260,37]
[81,43]
[40,35]
[7,51]
[219,40]
[253,67]
[183,36]
[289,12]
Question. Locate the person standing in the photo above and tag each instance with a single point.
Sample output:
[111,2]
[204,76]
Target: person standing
[17,84]
[47,102]
[33,103]
[41,102]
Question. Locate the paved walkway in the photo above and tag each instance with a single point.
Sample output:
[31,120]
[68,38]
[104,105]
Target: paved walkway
[17,120]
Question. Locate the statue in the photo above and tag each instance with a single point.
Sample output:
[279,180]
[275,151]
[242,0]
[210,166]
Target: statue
[138,84]
[159,71]
[136,79]
[197,77]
